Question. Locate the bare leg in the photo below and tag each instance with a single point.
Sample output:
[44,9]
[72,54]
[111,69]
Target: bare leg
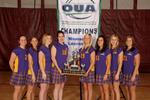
[43,91]
[30,92]
[33,93]
[127,92]
[61,91]
[117,91]
[56,91]
[17,90]
[101,92]
[85,91]
[90,91]
[132,93]
[112,92]
[106,91]
[46,92]
[21,92]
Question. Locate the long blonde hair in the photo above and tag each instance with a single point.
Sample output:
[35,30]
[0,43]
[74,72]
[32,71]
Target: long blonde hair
[44,38]
[114,35]
[90,44]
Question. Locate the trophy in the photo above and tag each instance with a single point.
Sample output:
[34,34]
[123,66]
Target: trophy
[66,66]
[72,67]
[82,68]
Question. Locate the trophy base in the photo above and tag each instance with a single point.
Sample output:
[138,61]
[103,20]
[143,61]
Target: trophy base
[73,72]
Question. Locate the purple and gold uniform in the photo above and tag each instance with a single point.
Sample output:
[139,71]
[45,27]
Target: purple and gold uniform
[101,66]
[34,55]
[20,67]
[61,58]
[85,58]
[129,66]
[114,63]
[46,61]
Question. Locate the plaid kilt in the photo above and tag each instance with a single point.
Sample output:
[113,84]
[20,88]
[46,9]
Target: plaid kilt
[88,79]
[29,80]
[41,80]
[57,77]
[100,79]
[126,80]
[18,79]
[112,77]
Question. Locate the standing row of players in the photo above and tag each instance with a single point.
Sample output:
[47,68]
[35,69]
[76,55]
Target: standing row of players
[106,65]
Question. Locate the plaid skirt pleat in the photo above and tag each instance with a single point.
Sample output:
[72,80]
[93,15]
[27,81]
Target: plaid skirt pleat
[57,77]
[18,79]
[126,80]
[88,79]
[100,79]
[48,77]
[29,80]
[112,77]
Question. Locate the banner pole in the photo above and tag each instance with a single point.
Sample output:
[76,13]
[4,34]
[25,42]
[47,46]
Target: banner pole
[58,26]
[100,15]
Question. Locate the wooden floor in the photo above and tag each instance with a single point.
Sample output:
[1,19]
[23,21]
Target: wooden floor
[72,88]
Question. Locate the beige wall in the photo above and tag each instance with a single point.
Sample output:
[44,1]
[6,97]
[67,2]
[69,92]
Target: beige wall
[8,3]
[122,4]
[50,4]
[105,4]
[30,4]
[143,4]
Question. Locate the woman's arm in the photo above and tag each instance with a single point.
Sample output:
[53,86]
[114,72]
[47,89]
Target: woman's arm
[41,57]
[108,64]
[12,60]
[120,61]
[137,64]
[92,62]
[53,53]
[30,60]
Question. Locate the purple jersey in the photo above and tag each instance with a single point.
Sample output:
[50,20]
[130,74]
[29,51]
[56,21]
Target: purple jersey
[101,61]
[21,62]
[61,55]
[34,55]
[85,56]
[47,59]
[114,61]
[128,63]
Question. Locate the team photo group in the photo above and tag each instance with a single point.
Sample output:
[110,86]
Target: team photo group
[107,65]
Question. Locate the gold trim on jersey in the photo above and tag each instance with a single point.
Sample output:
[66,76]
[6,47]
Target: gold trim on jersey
[82,55]
[16,64]
[64,51]
[44,62]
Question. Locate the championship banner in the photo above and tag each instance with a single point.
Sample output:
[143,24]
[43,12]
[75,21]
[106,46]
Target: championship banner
[77,18]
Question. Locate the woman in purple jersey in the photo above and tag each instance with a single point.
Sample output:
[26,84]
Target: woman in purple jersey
[130,68]
[59,54]
[44,74]
[87,58]
[103,61]
[116,65]
[19,66]
[33,68]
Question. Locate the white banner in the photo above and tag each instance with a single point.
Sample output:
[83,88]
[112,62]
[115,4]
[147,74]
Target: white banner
[76,18]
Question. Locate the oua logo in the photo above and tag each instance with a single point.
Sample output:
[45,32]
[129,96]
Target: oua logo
[78,11]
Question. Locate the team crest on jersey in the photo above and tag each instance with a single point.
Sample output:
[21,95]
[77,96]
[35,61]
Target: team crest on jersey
[125,58]
[102,54]
[82,55]
[114,51]
[97,58]
[130,53]
[87,51]
[25,57]
[64,52]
